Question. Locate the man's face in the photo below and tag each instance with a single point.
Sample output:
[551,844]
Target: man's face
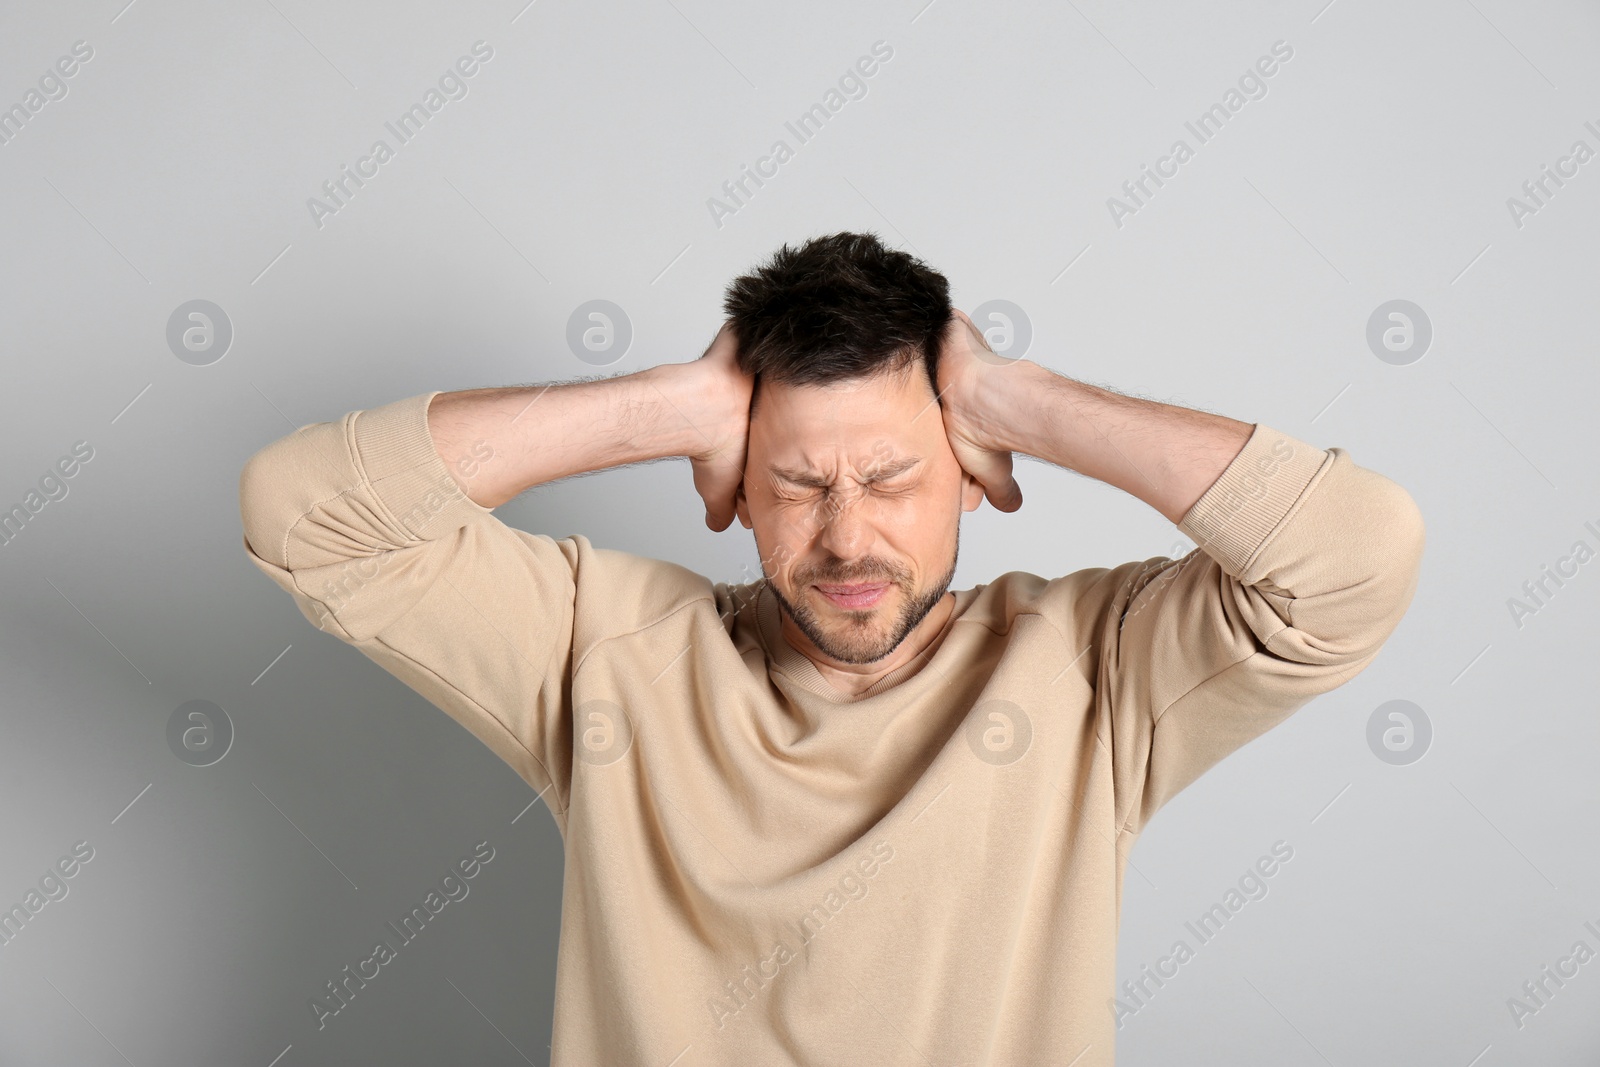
[855,499]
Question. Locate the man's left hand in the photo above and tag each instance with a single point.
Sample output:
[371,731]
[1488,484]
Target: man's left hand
[966,392]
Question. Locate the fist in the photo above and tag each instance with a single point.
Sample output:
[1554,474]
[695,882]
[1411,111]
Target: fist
[722,417]
[975,430]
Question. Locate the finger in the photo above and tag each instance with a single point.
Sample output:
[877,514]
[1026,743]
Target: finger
[961,326]
[999,484]
[717,517]
[723,345]
[1010,497]
[717,479]
[718,496]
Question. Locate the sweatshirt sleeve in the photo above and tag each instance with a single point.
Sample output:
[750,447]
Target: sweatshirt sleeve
[360,521]
[1304,564]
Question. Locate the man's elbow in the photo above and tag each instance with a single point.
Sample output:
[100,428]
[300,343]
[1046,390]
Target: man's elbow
[1392,569]
[1405,538]
[263,502]
[1372,562]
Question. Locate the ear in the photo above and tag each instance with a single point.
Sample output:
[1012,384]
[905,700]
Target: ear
[971,492]
[741,506]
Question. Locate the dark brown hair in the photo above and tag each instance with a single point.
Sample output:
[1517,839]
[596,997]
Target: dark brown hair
[836,308]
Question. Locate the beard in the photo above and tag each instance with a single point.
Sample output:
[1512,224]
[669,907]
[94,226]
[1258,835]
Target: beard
[860,636]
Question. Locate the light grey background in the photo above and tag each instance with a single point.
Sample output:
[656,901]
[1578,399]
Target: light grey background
[578,167]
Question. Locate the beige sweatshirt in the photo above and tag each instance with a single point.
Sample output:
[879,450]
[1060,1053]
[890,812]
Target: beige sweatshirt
[760,871]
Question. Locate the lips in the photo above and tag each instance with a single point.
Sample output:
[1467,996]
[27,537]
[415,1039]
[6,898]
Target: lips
[855,595]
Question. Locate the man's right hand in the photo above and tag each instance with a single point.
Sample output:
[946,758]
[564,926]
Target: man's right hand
[718,407]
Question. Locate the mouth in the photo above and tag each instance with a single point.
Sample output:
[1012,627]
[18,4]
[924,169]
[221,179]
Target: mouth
[854,596]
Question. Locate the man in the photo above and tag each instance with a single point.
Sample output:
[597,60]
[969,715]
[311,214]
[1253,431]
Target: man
[840,814]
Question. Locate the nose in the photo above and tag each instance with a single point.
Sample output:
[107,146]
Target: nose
[845,530]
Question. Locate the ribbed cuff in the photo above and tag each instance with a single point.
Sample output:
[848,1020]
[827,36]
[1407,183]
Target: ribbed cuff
[398,459]
[1257,491]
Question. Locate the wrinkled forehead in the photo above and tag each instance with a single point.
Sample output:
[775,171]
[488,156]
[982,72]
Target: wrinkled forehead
[861,426]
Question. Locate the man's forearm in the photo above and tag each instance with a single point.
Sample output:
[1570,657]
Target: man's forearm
[1165,455]
[539,434]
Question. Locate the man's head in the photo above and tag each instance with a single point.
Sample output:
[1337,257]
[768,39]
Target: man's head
[849,478]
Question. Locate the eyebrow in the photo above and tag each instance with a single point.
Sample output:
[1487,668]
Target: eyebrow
[880,473]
